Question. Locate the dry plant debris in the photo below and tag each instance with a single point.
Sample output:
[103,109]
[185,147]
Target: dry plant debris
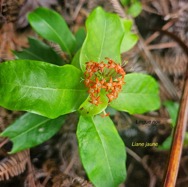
[13,165]
[165,52]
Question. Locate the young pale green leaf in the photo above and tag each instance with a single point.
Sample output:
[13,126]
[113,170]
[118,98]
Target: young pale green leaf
[51,26]
[89,109]
[139,94]
[38,50]
[129,39]
[102,151]
[30,130]
[104,36]
[41,88]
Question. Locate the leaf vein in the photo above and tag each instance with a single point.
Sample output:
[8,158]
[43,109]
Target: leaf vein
[42,19]
[104,152]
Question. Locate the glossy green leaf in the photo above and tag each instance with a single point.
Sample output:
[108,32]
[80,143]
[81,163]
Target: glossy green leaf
[139,94]
[102,151]
[104,36]
[135,9]
[41,88]
[51,26]
[90,109]
[129,39]
[38,50]
[30,130]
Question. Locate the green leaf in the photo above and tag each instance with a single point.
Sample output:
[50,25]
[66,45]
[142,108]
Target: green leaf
[186,139]
[102,151]
[125,2]
[80,37]
[135,9]
[30,130]
[104,36]
[38,50]
[167,143]
[172,108]
[41,88]
[90,109]
[139,94]
[76,60]
[51,26]
[129,39]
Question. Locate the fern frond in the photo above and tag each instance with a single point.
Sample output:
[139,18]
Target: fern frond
[13,165]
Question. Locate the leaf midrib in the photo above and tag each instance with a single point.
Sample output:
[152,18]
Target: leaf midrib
[25,132]
[33,54]
[102,43]
[43,88]
[59,38]
[104,152]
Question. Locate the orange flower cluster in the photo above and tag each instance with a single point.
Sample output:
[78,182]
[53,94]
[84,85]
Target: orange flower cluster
[108,76]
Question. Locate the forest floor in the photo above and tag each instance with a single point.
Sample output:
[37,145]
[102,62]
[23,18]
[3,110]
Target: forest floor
[56,162]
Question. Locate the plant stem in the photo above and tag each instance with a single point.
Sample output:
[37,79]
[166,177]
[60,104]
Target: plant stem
[178,139]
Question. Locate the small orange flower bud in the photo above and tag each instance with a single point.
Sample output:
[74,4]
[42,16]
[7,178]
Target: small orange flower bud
[109,77]
[95,100]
